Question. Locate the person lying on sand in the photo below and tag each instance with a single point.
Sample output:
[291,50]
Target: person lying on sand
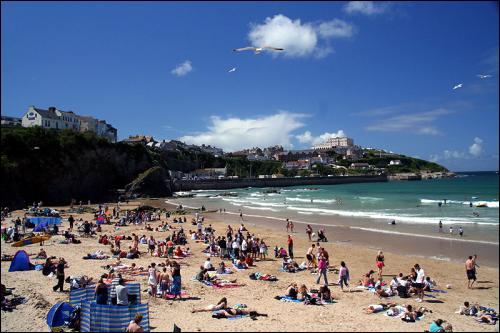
[230,312]
[489,319]
[379,307]
[221,305]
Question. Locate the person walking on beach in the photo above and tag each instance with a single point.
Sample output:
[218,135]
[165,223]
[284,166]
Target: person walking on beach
[379,260]
[309,231]
[287,226]
[241,215]
[343,276]
[291,226]
[290,246]
[440,226]
[322,267]
[461,231]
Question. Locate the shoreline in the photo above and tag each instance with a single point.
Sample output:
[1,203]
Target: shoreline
[410,244]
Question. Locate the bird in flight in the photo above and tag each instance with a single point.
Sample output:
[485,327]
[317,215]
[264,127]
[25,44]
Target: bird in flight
[258,50]
[458,86]
[481,76]
[232,70]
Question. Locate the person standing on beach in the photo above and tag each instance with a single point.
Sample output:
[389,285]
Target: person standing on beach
[241,215]
[291,226]
[309,231]
[461,231]
[440,226]
[419,282]
[287,226]
[451,230]
[71,220]
[60,275]
[290,246]
[153,279]
[380,263]
[471,272]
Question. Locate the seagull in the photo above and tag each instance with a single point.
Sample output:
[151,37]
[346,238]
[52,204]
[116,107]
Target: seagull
[483,76]
[258,50]
[458,86]
[232,70]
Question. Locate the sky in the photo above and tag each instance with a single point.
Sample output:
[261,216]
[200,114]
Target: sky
[381,73]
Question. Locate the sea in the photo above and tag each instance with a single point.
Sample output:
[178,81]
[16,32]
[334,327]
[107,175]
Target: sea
[469,201]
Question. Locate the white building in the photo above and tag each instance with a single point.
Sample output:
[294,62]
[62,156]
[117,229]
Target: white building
[333,143]
[58,119]
[395,162]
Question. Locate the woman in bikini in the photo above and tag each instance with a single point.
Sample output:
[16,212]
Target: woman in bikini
[380,263]
[221,305]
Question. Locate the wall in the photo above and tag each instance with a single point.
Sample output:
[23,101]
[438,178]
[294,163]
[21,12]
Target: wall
[222,184]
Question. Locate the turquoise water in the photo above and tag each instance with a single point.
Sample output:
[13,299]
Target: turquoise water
[407,202]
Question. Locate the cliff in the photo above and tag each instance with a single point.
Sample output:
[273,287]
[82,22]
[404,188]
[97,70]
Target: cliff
[57,166]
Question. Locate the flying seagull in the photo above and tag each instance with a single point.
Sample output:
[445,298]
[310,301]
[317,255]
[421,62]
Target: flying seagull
[232,70]
[483,76]
[258,50]
[458,86]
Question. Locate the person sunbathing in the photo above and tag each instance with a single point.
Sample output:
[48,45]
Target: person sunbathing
[410,316]
[487,318]
[325,294]
[178,252]
[221,305]
[303,293]
[379,307]
[367,280]
[230,312]
[203,275]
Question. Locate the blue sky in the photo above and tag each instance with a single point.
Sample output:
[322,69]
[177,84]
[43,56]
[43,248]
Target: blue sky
[381,73]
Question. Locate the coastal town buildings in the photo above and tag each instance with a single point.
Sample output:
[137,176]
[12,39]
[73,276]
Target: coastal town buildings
[333,143]
[57,119]
[11,121]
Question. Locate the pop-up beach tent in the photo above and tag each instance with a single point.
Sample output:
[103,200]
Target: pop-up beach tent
[21,262]
[59,314]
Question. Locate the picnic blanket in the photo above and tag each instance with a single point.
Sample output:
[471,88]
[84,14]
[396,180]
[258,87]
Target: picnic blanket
[183,294]
[287,299]
[299,269]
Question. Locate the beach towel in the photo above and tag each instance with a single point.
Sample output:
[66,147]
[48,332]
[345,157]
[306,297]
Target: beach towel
[220,285]
[287,299]
[214,313]
[239,269]
[439,291]
[183,294]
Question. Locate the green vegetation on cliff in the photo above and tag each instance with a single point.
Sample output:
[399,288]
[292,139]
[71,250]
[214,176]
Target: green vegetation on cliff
[56,166]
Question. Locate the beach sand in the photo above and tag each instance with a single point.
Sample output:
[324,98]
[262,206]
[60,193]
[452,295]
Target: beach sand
[345,315]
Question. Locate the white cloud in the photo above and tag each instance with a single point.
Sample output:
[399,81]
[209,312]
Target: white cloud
[336,28]
[420,123]
[297,38]
[476,148]
[307,137]
[182,69]
[233,134]
[366,7]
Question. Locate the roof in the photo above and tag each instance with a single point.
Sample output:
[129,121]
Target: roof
[47,113]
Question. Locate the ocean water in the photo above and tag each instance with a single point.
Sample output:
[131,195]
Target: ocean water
[406,202]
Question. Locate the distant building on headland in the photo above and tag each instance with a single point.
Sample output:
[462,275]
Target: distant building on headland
[333,143]
[58,119]
[11,121]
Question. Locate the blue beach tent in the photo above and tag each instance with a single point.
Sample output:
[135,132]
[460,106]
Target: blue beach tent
[21,262]
[59,314]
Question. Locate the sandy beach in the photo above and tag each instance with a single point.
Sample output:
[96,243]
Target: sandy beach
[345,315]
